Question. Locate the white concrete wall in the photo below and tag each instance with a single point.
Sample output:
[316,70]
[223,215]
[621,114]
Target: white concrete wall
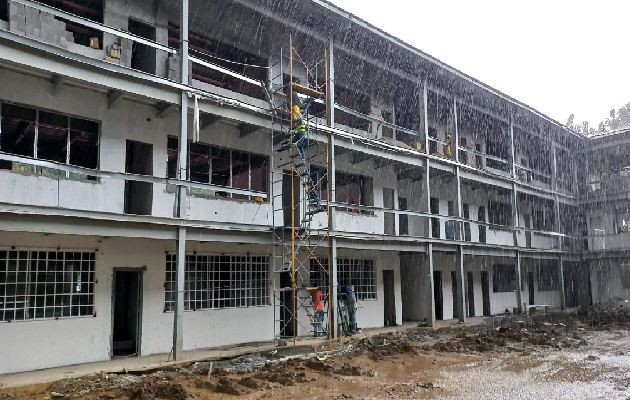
[51,343]
[606,279]
[126,120]
[370,313]
[415,273]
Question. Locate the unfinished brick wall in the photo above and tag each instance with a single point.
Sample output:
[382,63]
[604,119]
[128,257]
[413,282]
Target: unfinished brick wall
[32,23]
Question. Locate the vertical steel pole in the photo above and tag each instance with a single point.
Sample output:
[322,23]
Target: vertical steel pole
[427,188]
[519,278]
[332,242]
[178,326]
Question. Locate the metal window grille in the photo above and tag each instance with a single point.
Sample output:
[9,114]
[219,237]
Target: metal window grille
[46,284]
[219,281]
[350,272]
[358,273]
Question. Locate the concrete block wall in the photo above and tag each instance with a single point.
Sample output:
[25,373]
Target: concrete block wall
[29,22]
[174,70]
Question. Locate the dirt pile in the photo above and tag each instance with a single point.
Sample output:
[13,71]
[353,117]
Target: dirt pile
[506,339]
[612,313]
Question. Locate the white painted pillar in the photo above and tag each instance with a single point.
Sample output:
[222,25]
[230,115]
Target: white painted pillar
[178,323]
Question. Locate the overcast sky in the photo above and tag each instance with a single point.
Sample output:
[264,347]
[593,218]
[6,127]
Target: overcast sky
[561,57]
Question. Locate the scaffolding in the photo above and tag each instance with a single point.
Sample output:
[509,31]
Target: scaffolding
[299,194]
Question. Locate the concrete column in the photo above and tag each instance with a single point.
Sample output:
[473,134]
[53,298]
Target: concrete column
[455,144]
[425,116]
[332,242]
[557,220]
[512,148]
[519,284]
[554,167]
[563,300]
[461,295]
[178,325]
[515,224]
[430,288]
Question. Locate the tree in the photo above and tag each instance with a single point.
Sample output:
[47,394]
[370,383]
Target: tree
[617,119]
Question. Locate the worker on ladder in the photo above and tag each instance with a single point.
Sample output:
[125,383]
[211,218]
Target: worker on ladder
[299,133]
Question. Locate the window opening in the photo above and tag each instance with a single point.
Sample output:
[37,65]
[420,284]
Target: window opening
[44,284]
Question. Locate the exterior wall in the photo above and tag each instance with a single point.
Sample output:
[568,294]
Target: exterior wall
[606,279]
[126,120]
[370,313]
[88,339]
[415,272]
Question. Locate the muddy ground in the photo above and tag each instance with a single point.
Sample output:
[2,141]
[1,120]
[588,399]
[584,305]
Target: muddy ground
[557,356]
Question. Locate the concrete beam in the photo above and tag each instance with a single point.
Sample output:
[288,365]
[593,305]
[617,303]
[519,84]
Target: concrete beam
[247,129]
[361,157]
[164,109]
[57,82]
[382,162]
[207,120]
[113,96]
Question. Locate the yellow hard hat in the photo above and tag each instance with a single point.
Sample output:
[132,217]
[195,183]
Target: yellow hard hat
[296,109]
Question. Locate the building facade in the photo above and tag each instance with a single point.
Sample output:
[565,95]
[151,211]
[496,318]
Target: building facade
[143,197]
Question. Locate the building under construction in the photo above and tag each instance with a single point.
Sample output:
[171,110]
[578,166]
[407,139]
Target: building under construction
[157,196]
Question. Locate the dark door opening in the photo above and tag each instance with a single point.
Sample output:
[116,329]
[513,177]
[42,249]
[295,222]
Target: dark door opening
[455,295]
[466,211]
[388,203]
[437,295]
[127,319]
[287,206]
[485,293]
[389,299]
[139,195]
[528,235]
[142,56]
[287,322]
[530,287]
[478,158]
[434,208]
[403,219]
[471,294]
[481,217]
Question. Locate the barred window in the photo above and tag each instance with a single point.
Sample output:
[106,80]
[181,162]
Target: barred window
[219,281]
[46,284]
[350,272]
[503,278]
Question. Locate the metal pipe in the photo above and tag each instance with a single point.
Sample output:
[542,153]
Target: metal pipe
[180,276]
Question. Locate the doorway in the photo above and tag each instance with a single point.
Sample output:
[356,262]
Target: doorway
[287,205]
[389,299]
[455,296]
[530,287]
[528,235]
[470,296]
[481,217]
[403,219]
[388,203]
[287,322]
[434,208]
[142,55]
[485,293]
[138,195]
[127,315]
[466,211]
[438,295]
